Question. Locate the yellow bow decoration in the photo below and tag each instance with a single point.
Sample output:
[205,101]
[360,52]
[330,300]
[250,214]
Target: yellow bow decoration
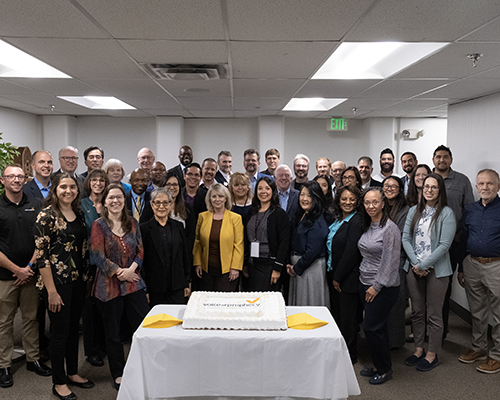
[304,321]
[160,321]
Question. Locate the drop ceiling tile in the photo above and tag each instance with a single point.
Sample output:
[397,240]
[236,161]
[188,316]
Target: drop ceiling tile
[252,114]
[127,87]
[266,87]
[414,105]
[253,60]
[292,19]
[212,113]
[335,88]
[152,102]
[452,62]
[467,88]
[159,19]
[366,104]
[215,88]
[158,112]
[493,73]
[215,103]
[15,104]
[401,88]
[82,58]
[177,52]
[384,114]
[9,86]
[59,87]
[487,33]
[423,20]
[244,103]
[57,18]
[125,113]
[44,101]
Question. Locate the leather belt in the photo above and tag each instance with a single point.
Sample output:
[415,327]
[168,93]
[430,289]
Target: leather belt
[486,260]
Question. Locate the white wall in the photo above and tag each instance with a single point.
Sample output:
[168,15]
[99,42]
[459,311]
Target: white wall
[21,129]
[474,141]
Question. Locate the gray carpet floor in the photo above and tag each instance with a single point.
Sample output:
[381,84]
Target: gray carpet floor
[450,380]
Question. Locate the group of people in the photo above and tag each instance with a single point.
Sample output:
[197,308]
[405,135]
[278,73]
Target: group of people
[105,251]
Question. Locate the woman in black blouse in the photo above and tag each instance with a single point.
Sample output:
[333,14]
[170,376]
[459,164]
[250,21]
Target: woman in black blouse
[63,260]
[268,237]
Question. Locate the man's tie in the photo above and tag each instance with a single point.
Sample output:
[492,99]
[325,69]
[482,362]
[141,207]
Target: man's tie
[138,208]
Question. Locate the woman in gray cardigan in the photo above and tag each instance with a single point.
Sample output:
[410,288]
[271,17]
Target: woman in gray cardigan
[429,231]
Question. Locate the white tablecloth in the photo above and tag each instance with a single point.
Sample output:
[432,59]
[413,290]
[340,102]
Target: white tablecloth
[174,362]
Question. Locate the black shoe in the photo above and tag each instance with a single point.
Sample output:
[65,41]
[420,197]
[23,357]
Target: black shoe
[84,385]
[413,360]
[380,379]
[368,372]
[6,378]
[38,368]
[95,361]
[425,366]
[70,396]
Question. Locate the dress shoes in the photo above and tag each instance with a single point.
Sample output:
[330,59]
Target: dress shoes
[378,379]
[6,378]
[84,385]
[414,360]
[95,361]
[39,368]
[70,396]
[425,366]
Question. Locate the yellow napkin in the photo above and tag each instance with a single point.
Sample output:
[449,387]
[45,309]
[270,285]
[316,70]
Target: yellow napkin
[160,321]
[304,321]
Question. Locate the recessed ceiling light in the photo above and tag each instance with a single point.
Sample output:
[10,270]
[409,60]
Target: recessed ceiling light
[15,63]
[312,104]
[98,102]
[374,60]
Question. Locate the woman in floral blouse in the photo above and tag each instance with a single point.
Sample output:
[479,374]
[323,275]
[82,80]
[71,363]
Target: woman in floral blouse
[118,253]
[62,257]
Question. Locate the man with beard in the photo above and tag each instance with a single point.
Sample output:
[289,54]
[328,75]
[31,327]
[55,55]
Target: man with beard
[185,158]
[157,175]
[459,195]
[225,163]
[301,170]
[138,199]
[386,165]
[193,193]
[251,163]
[408,163]
[208,169]
[365,168]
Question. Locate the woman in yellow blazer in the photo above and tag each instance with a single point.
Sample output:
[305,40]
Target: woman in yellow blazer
[218,247]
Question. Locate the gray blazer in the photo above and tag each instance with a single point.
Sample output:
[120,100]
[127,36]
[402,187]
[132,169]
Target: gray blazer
[442,234]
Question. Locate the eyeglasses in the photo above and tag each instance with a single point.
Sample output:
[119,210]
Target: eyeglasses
[69,158]
[171,185]
[119,197]
[161,203]
[431,188]
[391,187]
[372,204]
[100,180]
[13,177]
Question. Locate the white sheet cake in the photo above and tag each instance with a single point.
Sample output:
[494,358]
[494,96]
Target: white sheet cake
[243,310]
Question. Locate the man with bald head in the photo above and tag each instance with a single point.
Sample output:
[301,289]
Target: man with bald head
[68,160]
[138,199]
[337,168]
[157,175]
[42,164]
[145,158]
[185,158]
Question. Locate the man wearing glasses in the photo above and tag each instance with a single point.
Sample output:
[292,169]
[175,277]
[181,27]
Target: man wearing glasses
[17,276]
[68,160]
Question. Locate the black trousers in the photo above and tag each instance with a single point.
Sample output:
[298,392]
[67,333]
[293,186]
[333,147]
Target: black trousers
[167,297]
[135,307]
[94,342]
[375,326]
[218,282]
[259,279]
[64,331]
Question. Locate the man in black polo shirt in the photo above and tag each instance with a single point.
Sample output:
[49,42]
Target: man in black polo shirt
[17,278]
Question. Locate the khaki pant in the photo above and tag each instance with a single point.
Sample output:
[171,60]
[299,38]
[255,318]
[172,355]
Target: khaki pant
[24,297]
[482,286]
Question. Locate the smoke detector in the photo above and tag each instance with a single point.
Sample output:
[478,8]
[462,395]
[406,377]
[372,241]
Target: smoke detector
[186,72]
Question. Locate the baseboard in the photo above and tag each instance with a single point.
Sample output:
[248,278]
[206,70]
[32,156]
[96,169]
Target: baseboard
[462,312]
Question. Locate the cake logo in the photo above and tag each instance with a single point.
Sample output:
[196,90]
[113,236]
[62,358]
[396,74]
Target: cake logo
[253,301]
[232,304]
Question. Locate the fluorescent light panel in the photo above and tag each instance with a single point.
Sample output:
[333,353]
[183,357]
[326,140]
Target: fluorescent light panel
[373,60]
[98,102]
[312,104]
[15,63]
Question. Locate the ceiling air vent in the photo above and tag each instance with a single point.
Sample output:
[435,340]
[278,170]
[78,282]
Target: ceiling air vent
[187,72]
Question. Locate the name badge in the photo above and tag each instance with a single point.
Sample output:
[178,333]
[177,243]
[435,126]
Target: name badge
[255,249]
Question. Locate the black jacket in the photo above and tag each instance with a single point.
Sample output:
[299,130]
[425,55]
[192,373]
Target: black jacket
[147,211]
[152,271]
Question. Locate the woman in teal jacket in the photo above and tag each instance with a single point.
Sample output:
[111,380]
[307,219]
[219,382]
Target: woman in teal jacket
[429,231]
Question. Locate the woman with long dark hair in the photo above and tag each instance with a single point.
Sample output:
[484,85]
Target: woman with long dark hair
[415,186]
[308,262]
[380,247]
[117,251]
[63,261]
[429,231]
[326,182]
[343,265]
[268,238]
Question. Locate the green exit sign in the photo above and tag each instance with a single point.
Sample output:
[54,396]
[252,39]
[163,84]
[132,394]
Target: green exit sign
[336,124]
